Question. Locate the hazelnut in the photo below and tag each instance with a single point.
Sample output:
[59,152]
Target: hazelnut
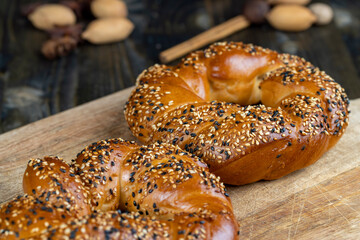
[255,10]
[323,12]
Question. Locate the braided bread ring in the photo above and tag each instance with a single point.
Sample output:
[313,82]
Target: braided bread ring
[170,194]
[205,105]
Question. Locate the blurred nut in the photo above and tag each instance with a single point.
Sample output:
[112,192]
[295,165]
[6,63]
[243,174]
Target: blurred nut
[293,18]
[323,13]
[107,30]
[108,8]
[48,16]
[299,2]
[73,31]
[255,10]
[54,48]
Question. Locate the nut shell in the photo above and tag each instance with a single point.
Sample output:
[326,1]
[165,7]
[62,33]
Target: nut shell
[108,8]
[323,13]
[256,10]
[292,18]
[48,16]
[108,30]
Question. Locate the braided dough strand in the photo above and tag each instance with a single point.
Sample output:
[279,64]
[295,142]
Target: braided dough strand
[208,105]
[116,189]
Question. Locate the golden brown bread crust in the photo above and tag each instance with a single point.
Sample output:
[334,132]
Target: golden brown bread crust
[47,177]
[117,225]
[28,215]
[205,105]
[170,194]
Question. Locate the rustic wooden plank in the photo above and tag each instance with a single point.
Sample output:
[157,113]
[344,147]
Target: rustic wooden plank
[89,73]
[324,211]
[95,71]
[311,202]
[344,157]
[347,16]
[70,83]
[63,134]
[3,60]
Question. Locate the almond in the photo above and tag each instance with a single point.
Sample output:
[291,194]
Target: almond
[107,30]
[292,17]
[48,16]
[323,13]
[108,8]
[300,2]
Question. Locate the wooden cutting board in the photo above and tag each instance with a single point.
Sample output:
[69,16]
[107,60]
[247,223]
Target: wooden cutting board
[321,201]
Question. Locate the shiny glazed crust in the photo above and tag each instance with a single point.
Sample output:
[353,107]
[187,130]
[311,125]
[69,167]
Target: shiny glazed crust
[250,113]
[116,189]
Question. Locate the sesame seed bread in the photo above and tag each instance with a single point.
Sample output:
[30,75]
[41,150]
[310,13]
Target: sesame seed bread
[116,189]
[249,112]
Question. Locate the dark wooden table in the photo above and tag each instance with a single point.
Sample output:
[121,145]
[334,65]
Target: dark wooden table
[32,87]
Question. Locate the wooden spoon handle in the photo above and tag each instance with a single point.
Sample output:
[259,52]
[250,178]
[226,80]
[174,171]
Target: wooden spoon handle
[213,34]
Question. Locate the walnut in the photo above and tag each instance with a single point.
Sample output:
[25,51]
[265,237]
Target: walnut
[73,31]
[256,10]
[59,47]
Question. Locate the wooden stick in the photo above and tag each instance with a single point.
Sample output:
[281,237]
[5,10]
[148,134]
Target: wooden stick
[213,34]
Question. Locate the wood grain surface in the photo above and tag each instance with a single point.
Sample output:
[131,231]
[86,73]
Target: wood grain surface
[320,202]
[32,87]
